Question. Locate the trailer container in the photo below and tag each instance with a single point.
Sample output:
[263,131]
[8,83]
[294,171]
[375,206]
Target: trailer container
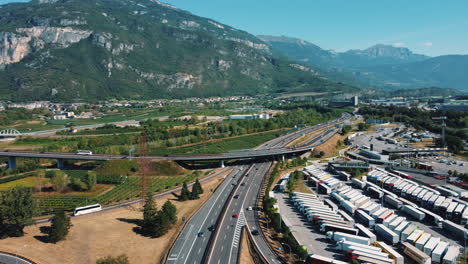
[317,259]
[374,255]
[432,199]
[415,213]
[395,256]
[384,216]
[430,189]
[444,206]
[431,217]
[348,206]
[423,239]
[337,236]
[415,236]
[387,234]
[389,219]
[439,252]
[371,209]
[368,251]
[338,228]
[430,245]
[363,231]
[457,213]
[438,202]
[399,229]
[318,219]
[335,196]
[415,254]
[362,201]
[447,192]
[464,217]
[367,260]
[421,195]
[392,225]
[364,218]
[394,202]
[346,216]
[375,193]
[347,245]
[358,183]
[450,210]
[331,204]
[407,232]
[366,205]
[455,230]
[406,202]
[324,189]
[332,222]
[451,255]
[379,212]
[462,193]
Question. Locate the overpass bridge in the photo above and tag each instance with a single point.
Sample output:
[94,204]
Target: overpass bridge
[9,133]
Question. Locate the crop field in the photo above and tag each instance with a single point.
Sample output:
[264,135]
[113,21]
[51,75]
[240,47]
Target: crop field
[25,182]
[129,189]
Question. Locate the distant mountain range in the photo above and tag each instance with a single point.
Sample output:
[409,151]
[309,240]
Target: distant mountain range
[380,66]
[68,50]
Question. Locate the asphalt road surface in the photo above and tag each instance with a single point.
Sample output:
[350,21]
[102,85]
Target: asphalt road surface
[191,244]
[12,259]
[226,244]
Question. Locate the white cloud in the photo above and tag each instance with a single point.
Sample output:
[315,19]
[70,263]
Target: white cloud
[398,44]
[427,44]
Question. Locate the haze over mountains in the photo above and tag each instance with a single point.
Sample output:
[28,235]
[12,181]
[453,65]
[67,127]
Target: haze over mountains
[380,66]
[141,49]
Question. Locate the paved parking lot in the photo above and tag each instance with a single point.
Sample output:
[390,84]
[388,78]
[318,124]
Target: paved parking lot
[305,233]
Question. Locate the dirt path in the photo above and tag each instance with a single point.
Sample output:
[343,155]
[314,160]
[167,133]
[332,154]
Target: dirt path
[107,233]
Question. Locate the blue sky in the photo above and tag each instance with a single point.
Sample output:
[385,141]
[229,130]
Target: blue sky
[431,27]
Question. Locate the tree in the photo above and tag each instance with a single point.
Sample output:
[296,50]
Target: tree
[185,193]
[170,211]
[16,210]
[60,227]
[161,224]
[59,181]
[122,259]
[196,190]
[149,215]
[91,180]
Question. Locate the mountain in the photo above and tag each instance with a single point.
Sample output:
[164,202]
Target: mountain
[380,66]
[67,50]
[378,55]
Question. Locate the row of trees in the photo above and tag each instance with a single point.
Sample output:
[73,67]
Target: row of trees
[60,180]
[157,222]
[185,194]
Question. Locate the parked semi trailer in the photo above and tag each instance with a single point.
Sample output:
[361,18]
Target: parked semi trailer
[415,254]
[407,232]
[337,236]
[324,228]
[423,239]
[387,234]
[347,245]
[439,252]
[451,255]
[392,201]
[363,231]
[430,245]
[455,230]
[415,213]
[397,257]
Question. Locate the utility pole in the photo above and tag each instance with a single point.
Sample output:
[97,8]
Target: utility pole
[443,118]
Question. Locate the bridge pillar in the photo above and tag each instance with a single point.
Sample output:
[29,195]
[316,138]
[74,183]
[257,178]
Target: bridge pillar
[60,164]
[282,157]
[222,163]
[12,163]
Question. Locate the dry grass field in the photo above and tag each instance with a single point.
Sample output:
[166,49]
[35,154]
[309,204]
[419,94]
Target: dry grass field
[107,233]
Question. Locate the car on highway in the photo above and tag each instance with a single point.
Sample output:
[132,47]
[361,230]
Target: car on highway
[201,234]
[211,228]
[243,184]
[255,232]
[249,208]
[236,196]
[440,177]
[236,215]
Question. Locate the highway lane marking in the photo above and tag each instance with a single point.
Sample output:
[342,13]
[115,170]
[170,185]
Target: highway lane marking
[206,217]
[185,241]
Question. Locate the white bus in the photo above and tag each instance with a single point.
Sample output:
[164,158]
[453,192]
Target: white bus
[87,209]
[84,152]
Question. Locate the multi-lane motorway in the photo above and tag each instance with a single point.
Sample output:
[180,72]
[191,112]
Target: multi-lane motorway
[192,242]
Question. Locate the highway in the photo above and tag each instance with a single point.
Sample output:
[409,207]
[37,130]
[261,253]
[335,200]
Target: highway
[12,259]
[225,247]
[191,245]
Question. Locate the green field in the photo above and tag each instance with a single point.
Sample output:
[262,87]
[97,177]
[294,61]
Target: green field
[226,145]
[25,182]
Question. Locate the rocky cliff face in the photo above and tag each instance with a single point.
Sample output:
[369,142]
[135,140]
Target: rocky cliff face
[16,46]
[99,49]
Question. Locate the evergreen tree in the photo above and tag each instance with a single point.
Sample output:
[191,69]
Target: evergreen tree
[91,180]
[149,214]
[60,227]
[161,224]
[16,210]
[185,193]
[170,211]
